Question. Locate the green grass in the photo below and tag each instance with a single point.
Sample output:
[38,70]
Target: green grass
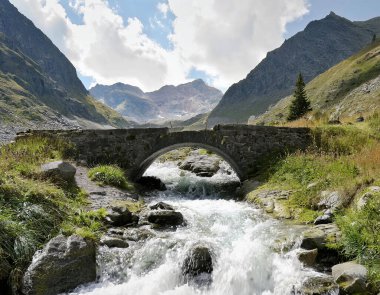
[35,208]
[110,175]
[336,89]
[361,236]
[374,124]
[344,159]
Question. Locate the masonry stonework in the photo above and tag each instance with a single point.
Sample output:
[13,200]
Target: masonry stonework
[242,146]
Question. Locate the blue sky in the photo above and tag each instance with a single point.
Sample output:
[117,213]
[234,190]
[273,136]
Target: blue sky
[150,43]
[351,9]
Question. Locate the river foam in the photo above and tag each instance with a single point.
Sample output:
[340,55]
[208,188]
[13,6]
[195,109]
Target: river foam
[245,245]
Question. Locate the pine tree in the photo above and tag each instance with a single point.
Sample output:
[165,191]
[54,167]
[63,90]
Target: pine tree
[374,38]
[300,104]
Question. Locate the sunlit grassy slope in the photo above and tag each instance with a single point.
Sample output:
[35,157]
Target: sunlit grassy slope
[346,91]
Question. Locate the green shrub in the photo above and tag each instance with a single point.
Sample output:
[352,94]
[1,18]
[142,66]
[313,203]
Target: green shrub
[361,235]
[110,175]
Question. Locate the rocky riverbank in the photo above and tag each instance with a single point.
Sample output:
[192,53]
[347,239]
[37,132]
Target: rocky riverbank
[321,243]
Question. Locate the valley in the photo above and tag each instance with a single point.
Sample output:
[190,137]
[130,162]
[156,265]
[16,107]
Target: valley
[271,188]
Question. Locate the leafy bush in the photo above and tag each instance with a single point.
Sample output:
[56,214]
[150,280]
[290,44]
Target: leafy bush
[361,235]
[110,175]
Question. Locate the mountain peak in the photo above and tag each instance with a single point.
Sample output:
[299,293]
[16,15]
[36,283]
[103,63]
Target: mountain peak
[198,81]
[322,44]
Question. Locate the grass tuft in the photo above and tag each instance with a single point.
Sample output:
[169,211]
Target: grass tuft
[110,175]
[33,207]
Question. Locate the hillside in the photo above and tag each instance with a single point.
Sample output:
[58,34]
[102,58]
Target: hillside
[347,90]
[39,87]
[168,103]
[320,46]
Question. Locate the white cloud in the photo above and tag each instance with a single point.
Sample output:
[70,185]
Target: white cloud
[163,8]
[225,38]
[220,37]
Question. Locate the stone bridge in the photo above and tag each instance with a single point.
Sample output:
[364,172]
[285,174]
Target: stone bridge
[242,146]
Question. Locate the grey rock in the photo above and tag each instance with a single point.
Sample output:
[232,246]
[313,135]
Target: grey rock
[62,265]
[326,218]
[119,216]
[198,265]
[351,277]
[318,237]
[162,206]
[138,234]
[375,189]
[165,217]
[330,200]
[59,169]
[363,200]
[201,165]
[113,242]
[307,257]
[320,285]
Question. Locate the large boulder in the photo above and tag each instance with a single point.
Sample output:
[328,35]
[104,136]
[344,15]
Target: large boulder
[198,265]
[201,165]
[165,217]
[119,216]
[307,257]
[272,201]
[161,206]
[113,242]
[351,277]
[331,200]
[320,237]
[59,169]
[320,285]
[62,265]
[152,183]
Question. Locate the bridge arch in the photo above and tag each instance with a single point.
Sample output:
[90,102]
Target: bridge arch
[155,155]
[242,146]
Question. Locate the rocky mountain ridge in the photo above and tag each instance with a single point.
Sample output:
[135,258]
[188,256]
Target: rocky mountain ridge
[167,103]
[323,44]
[39,87]
[349,90]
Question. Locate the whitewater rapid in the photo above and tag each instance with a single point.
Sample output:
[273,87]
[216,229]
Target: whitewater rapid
[246,246]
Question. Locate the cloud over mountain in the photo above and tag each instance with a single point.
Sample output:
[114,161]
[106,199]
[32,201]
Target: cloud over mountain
[222,38]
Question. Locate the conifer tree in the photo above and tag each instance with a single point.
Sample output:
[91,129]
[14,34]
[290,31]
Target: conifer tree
[300,104]
[374,38]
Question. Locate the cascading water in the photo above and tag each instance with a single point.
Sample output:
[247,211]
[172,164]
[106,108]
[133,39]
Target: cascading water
[246,245]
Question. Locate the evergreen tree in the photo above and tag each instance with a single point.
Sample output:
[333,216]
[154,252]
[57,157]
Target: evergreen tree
[374,38]
[300,104]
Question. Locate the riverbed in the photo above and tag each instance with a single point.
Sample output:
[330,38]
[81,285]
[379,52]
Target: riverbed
[252,253]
